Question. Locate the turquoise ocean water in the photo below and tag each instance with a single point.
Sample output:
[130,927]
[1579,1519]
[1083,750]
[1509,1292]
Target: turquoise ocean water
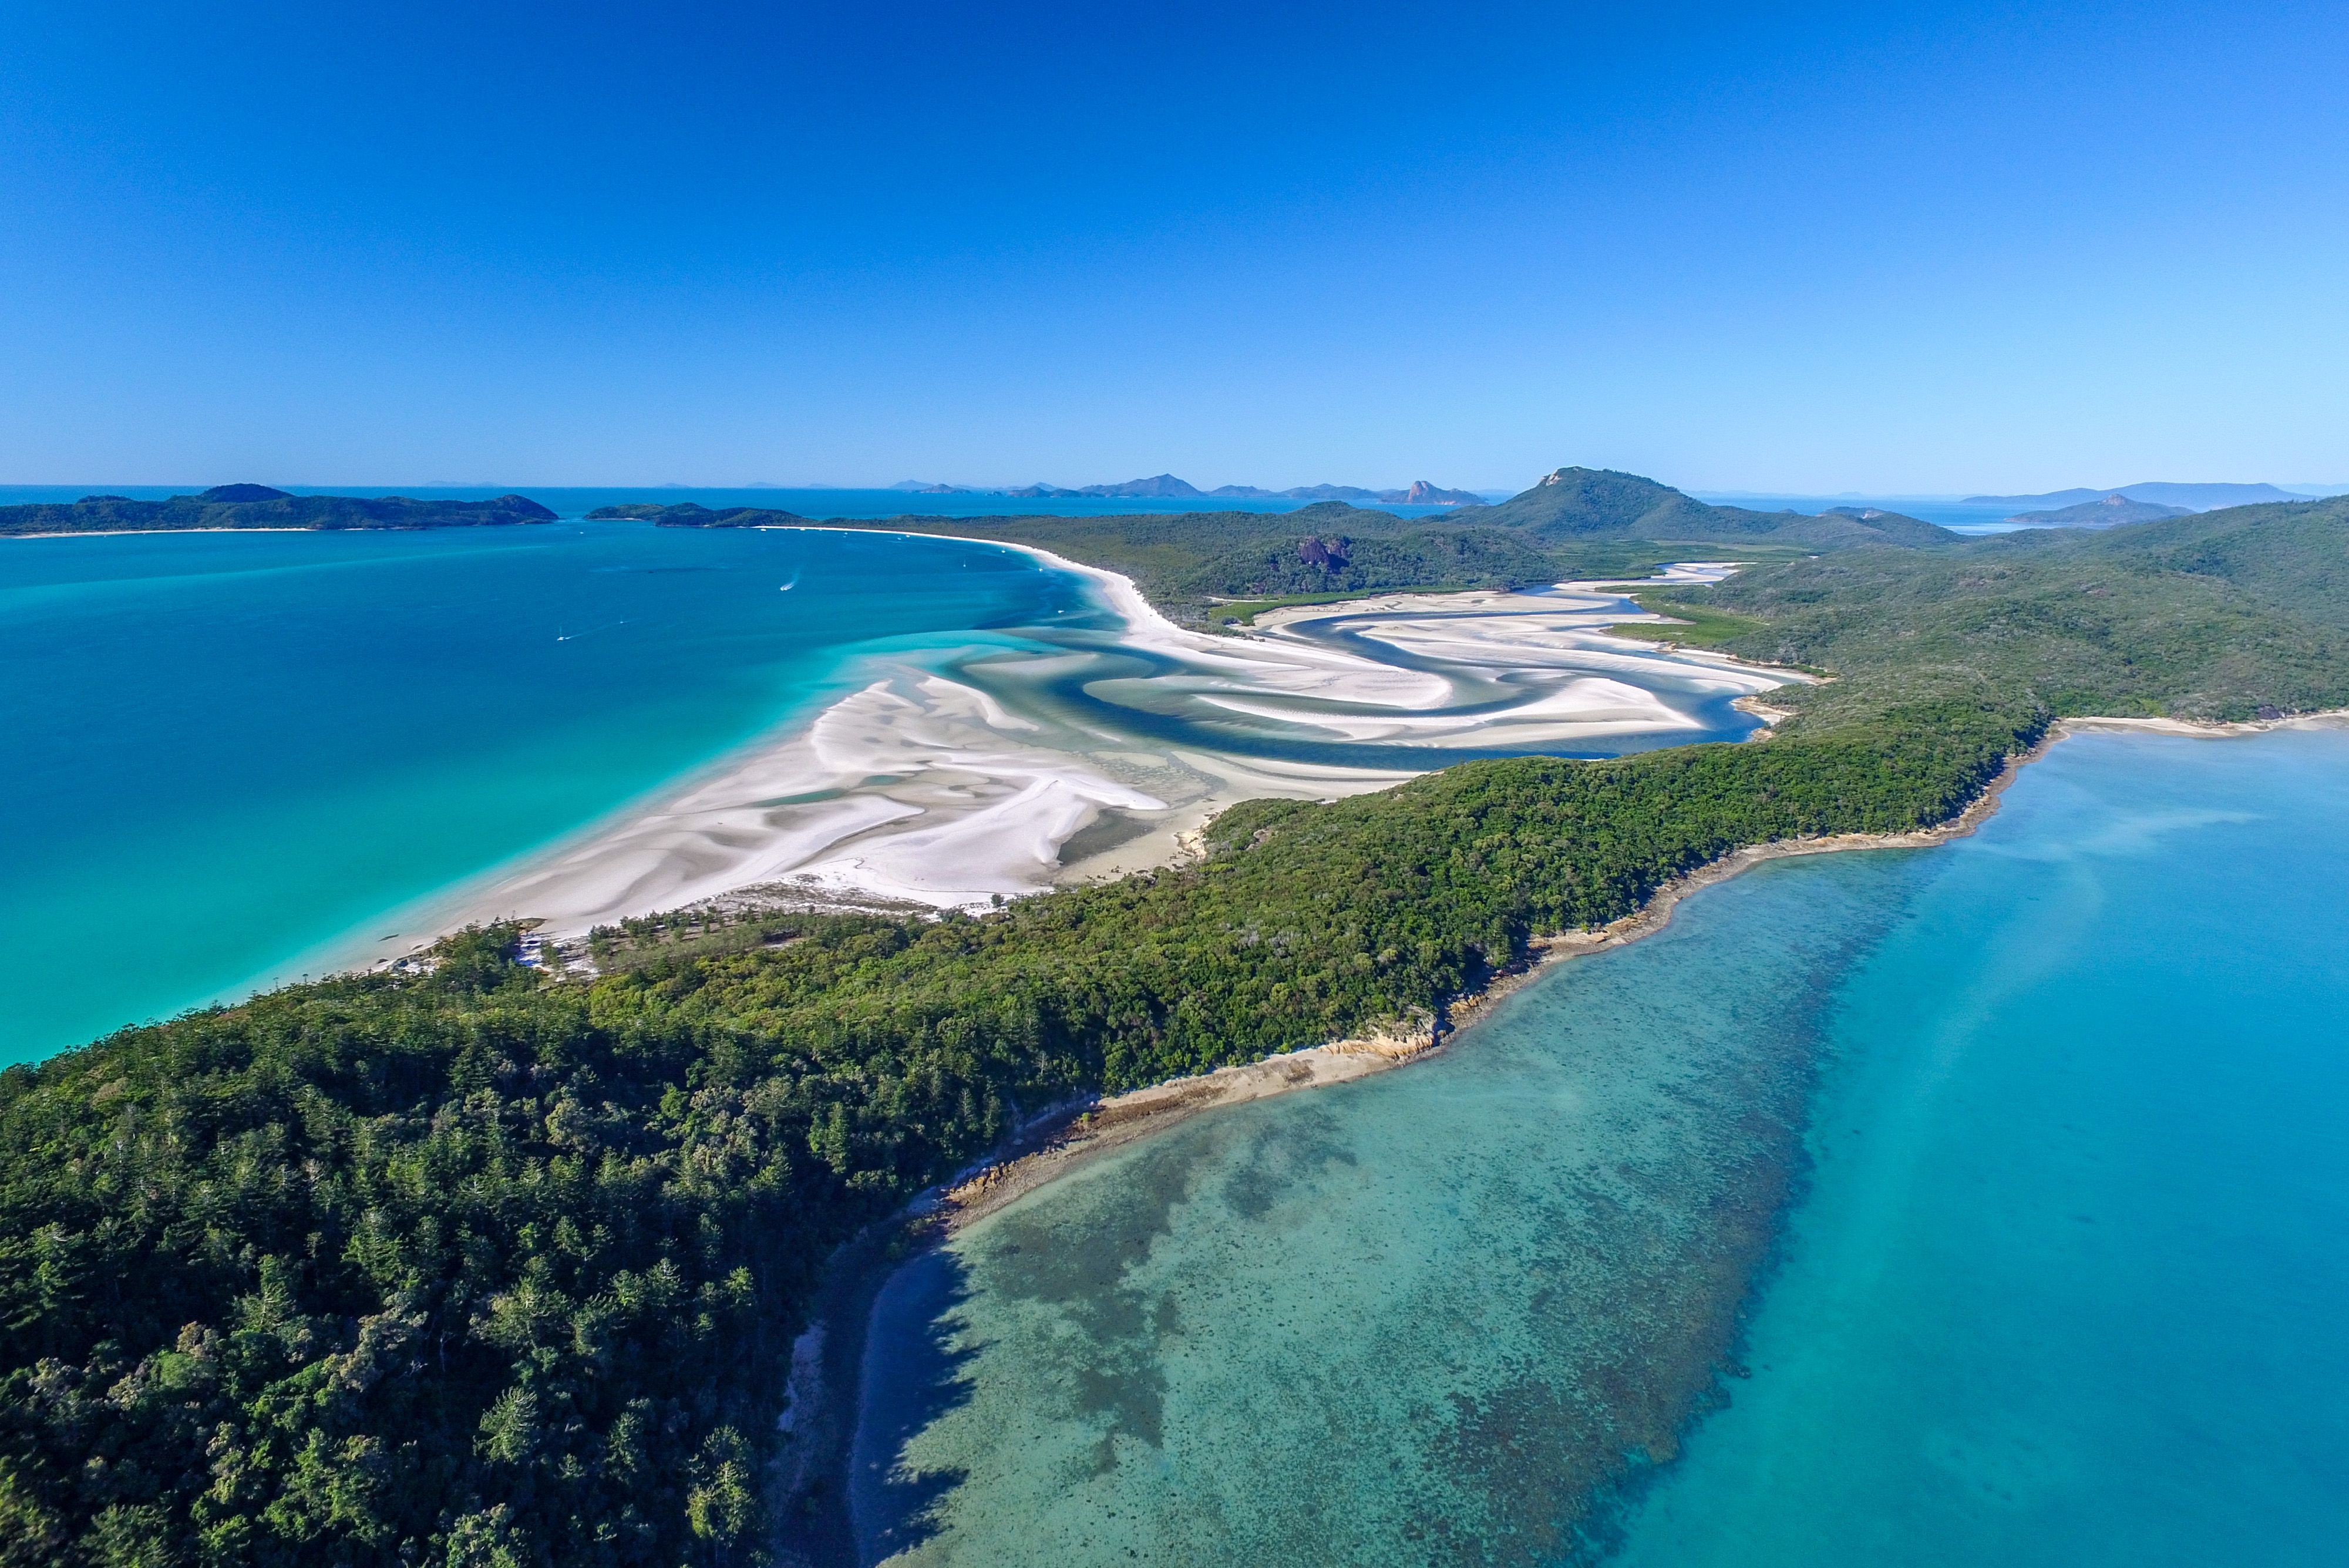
[233,757]
[1980,1205]
[2070,1284]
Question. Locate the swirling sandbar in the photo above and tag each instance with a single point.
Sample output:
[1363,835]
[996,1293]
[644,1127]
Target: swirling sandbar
[952,781]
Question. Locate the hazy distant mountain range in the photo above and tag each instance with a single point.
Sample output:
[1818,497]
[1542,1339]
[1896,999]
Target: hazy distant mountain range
[2185,497]
[1166,486]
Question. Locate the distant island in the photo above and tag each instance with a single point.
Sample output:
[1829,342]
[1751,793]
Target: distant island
[237,506]
[2110,512]
[1166,487]
[2185,497]
[693,514]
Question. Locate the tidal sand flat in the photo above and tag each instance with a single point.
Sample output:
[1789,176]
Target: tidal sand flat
[1970,1204]
[1091,743]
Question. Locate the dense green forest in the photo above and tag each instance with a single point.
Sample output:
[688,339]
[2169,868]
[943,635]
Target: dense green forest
[259,506]
[2213,615]
[488,1267]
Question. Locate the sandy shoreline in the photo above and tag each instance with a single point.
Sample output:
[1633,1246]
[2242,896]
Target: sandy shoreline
[2325,719]
[967,775]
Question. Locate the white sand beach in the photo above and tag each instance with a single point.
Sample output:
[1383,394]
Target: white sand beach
[950,792]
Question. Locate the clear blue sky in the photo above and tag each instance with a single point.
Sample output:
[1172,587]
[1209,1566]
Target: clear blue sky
[1806,248]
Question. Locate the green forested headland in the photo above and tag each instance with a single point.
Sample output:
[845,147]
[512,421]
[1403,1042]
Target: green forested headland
[482,1266]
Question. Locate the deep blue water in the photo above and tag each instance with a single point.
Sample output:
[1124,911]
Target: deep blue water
[1985,1204]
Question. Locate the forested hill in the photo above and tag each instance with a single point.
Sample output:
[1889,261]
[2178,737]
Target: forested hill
[693,514]
[1575,504]
[1577,522]
[2213,614]
[259,506]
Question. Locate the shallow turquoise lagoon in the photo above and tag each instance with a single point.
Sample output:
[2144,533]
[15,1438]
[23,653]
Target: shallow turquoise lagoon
[2071,1285]
[233,757]
[1983,1205]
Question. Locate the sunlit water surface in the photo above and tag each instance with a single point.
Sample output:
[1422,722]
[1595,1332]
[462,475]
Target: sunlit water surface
[1980,1205]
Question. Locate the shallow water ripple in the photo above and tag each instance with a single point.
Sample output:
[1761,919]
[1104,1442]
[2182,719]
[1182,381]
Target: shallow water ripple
[1420,1319]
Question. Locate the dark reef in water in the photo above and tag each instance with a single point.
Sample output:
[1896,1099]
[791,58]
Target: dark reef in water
[1456,1315]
